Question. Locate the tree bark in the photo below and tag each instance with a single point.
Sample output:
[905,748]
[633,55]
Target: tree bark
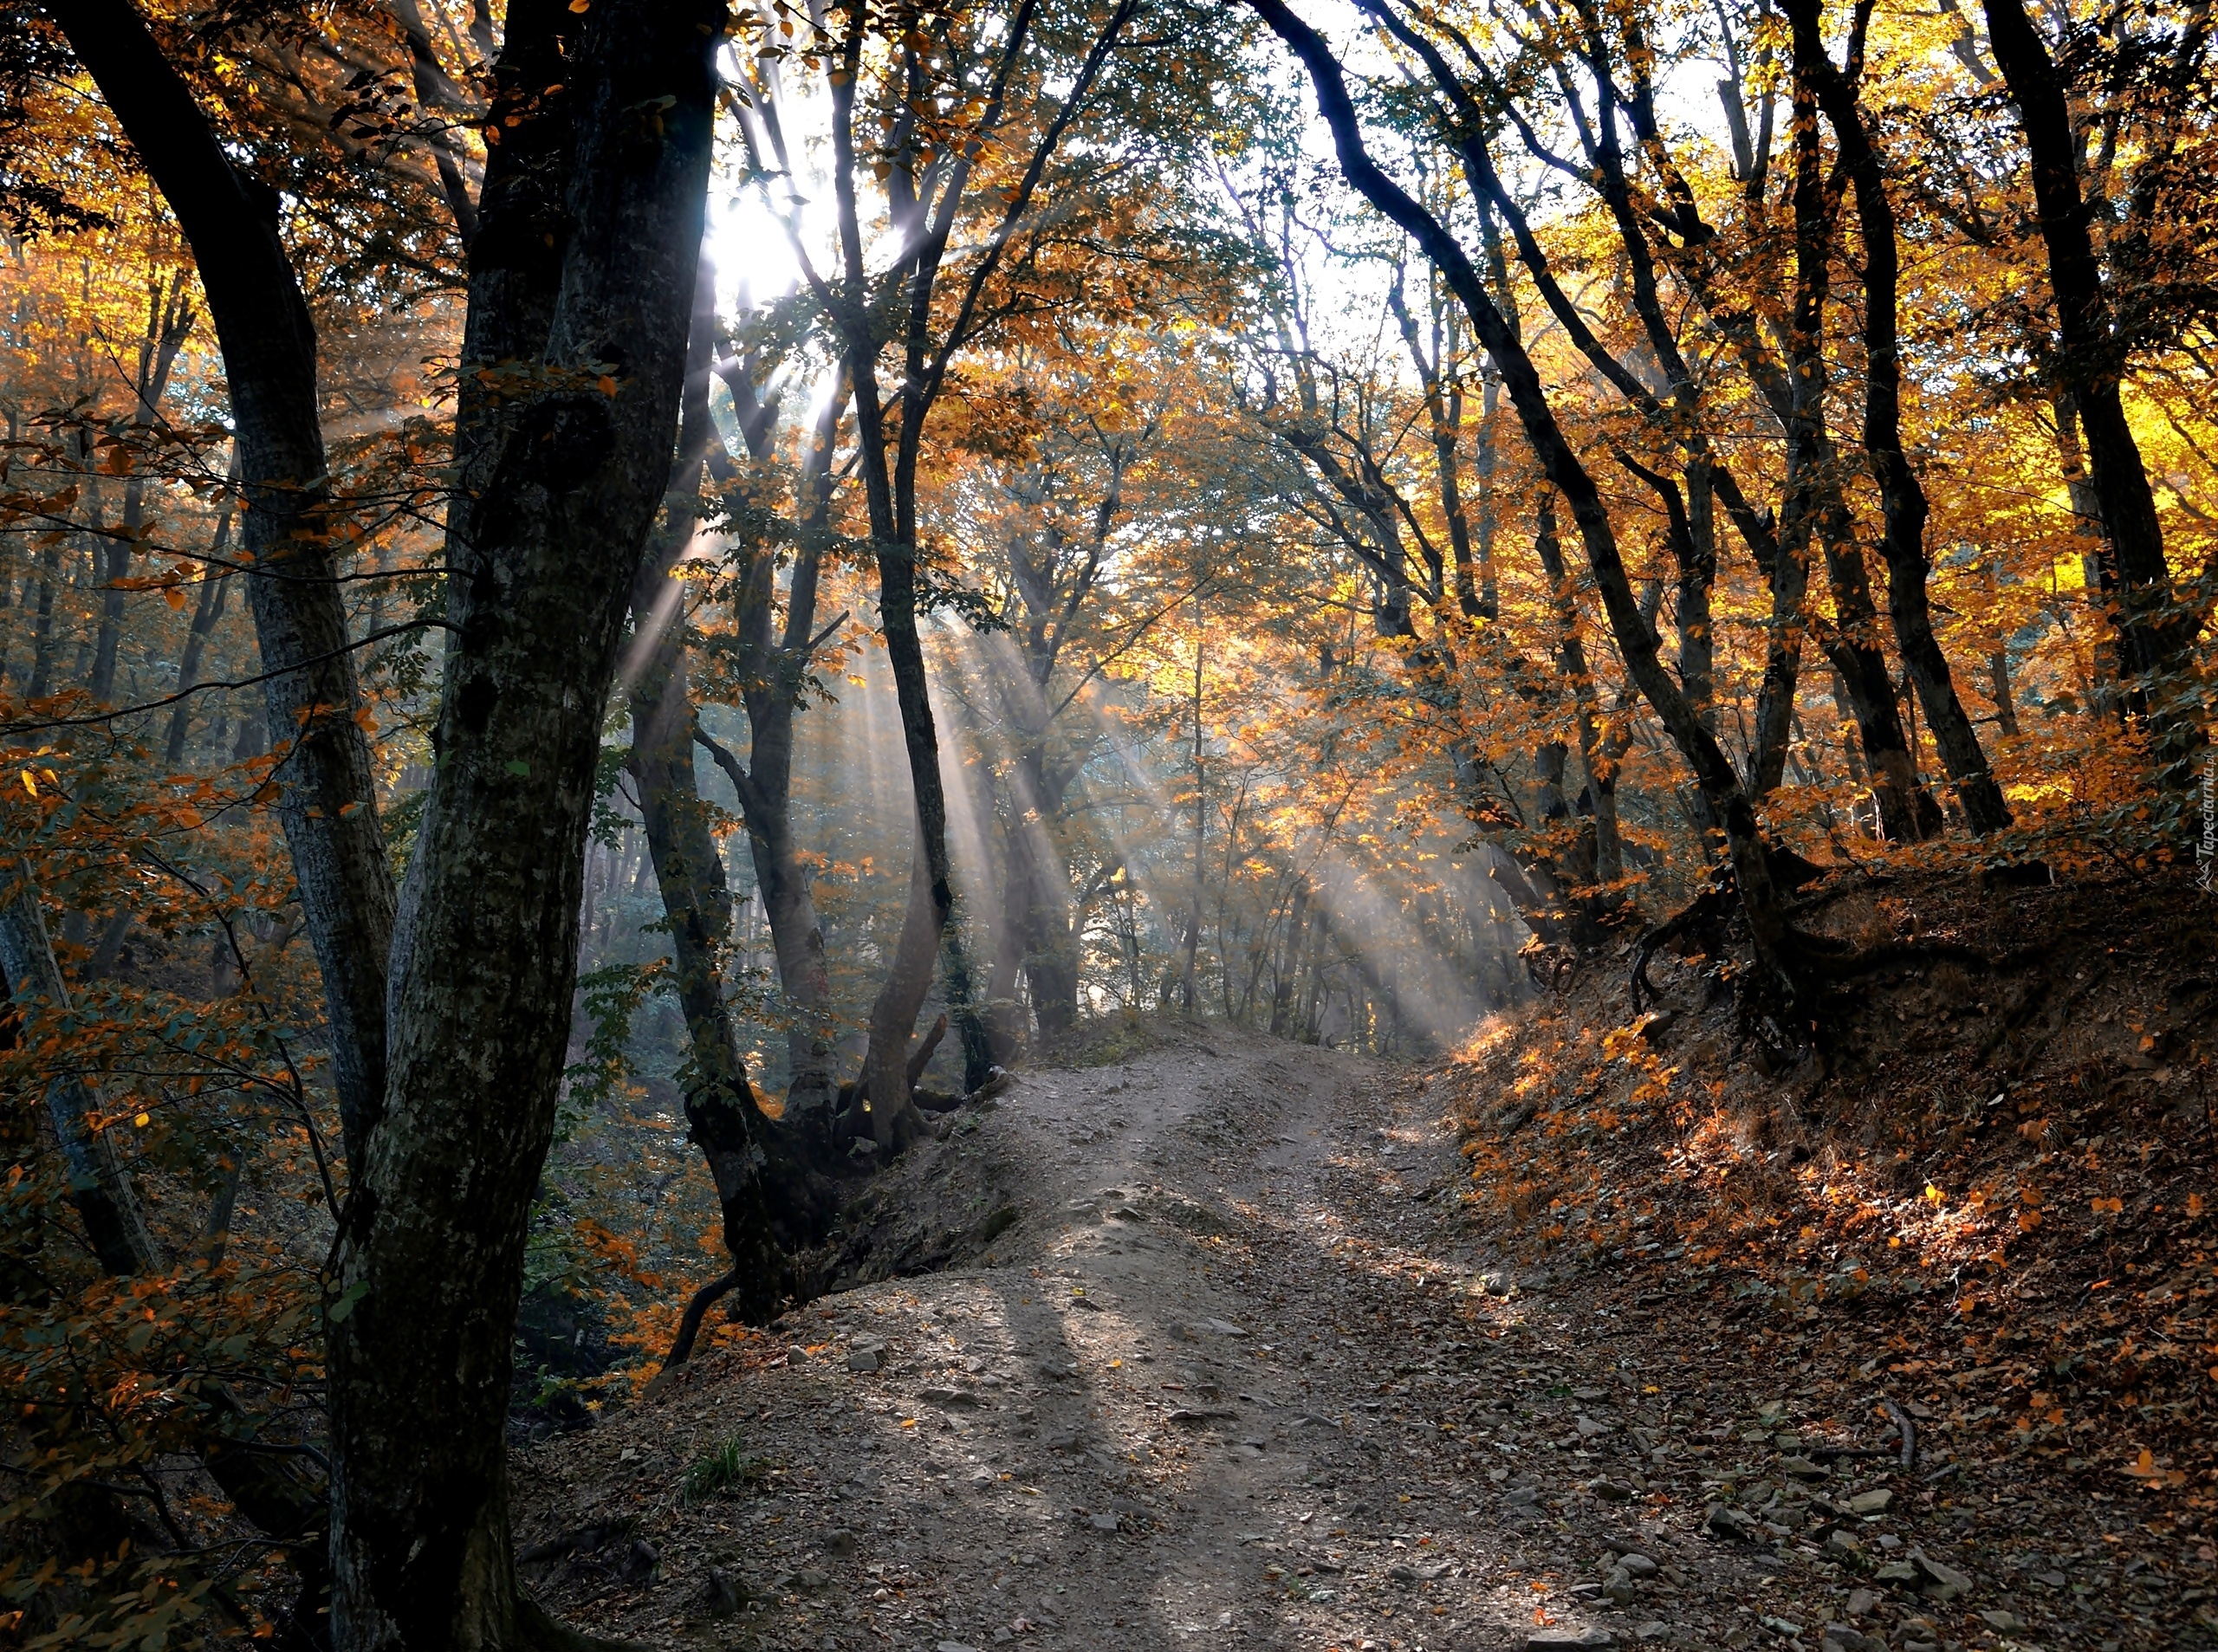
[769,1201]
[100,1185]
[169,321]
[774,669]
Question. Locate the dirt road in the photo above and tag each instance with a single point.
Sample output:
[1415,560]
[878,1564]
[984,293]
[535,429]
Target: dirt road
[1227,1365]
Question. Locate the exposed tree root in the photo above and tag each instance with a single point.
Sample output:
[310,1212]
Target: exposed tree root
[689,1326]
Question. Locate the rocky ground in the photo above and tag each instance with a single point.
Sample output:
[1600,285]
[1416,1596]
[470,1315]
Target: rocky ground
[1218,1355]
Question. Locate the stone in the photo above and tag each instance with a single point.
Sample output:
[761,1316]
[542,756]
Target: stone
[1803,1468]
[1104,1522]
[1725,1521]
[1655,1629]
[868,1354]
[1638,1565]
[1521,1497]
[2003,1623]
[1873,1502]
[1570,1640]
[1610,1491]
[841,1541]
[1937,1582]
[1860,1603]
[722,1593]
[954,1646]
[1588,1428]
[1842,1547]
[1223,1328]
[796,1356]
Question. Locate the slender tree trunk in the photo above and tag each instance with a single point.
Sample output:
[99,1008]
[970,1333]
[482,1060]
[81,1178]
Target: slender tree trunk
[768,1202]
[1902,494]
[1598,863]
[2097,570]
[270,1490]
[2006,706]
[100,1185]
[1697,577]
[774,677]
[2154,642]
[169,319]
[1777,950]
[328,800]
[42,677]
[207,613]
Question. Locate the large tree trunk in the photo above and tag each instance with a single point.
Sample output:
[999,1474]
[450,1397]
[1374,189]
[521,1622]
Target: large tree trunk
[561,481]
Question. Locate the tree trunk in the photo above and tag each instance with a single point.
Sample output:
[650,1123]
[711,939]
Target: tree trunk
[270,1491]
[2098,572]
[2154,642]
[328,803]
[42,677]
[1901,495]
[100,1186]
[169,319]
[1599,860]
[207,613]
[764,1197]
[1777,951]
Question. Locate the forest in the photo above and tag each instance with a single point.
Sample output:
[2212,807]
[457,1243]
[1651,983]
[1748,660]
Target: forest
[689,689]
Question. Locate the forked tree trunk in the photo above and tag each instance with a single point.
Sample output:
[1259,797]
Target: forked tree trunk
[562,477]
[771,1201]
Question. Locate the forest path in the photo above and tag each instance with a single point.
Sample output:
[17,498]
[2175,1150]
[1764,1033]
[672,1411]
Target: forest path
[1236,1377]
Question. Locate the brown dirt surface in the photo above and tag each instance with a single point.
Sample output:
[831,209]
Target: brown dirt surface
[1231,1342]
